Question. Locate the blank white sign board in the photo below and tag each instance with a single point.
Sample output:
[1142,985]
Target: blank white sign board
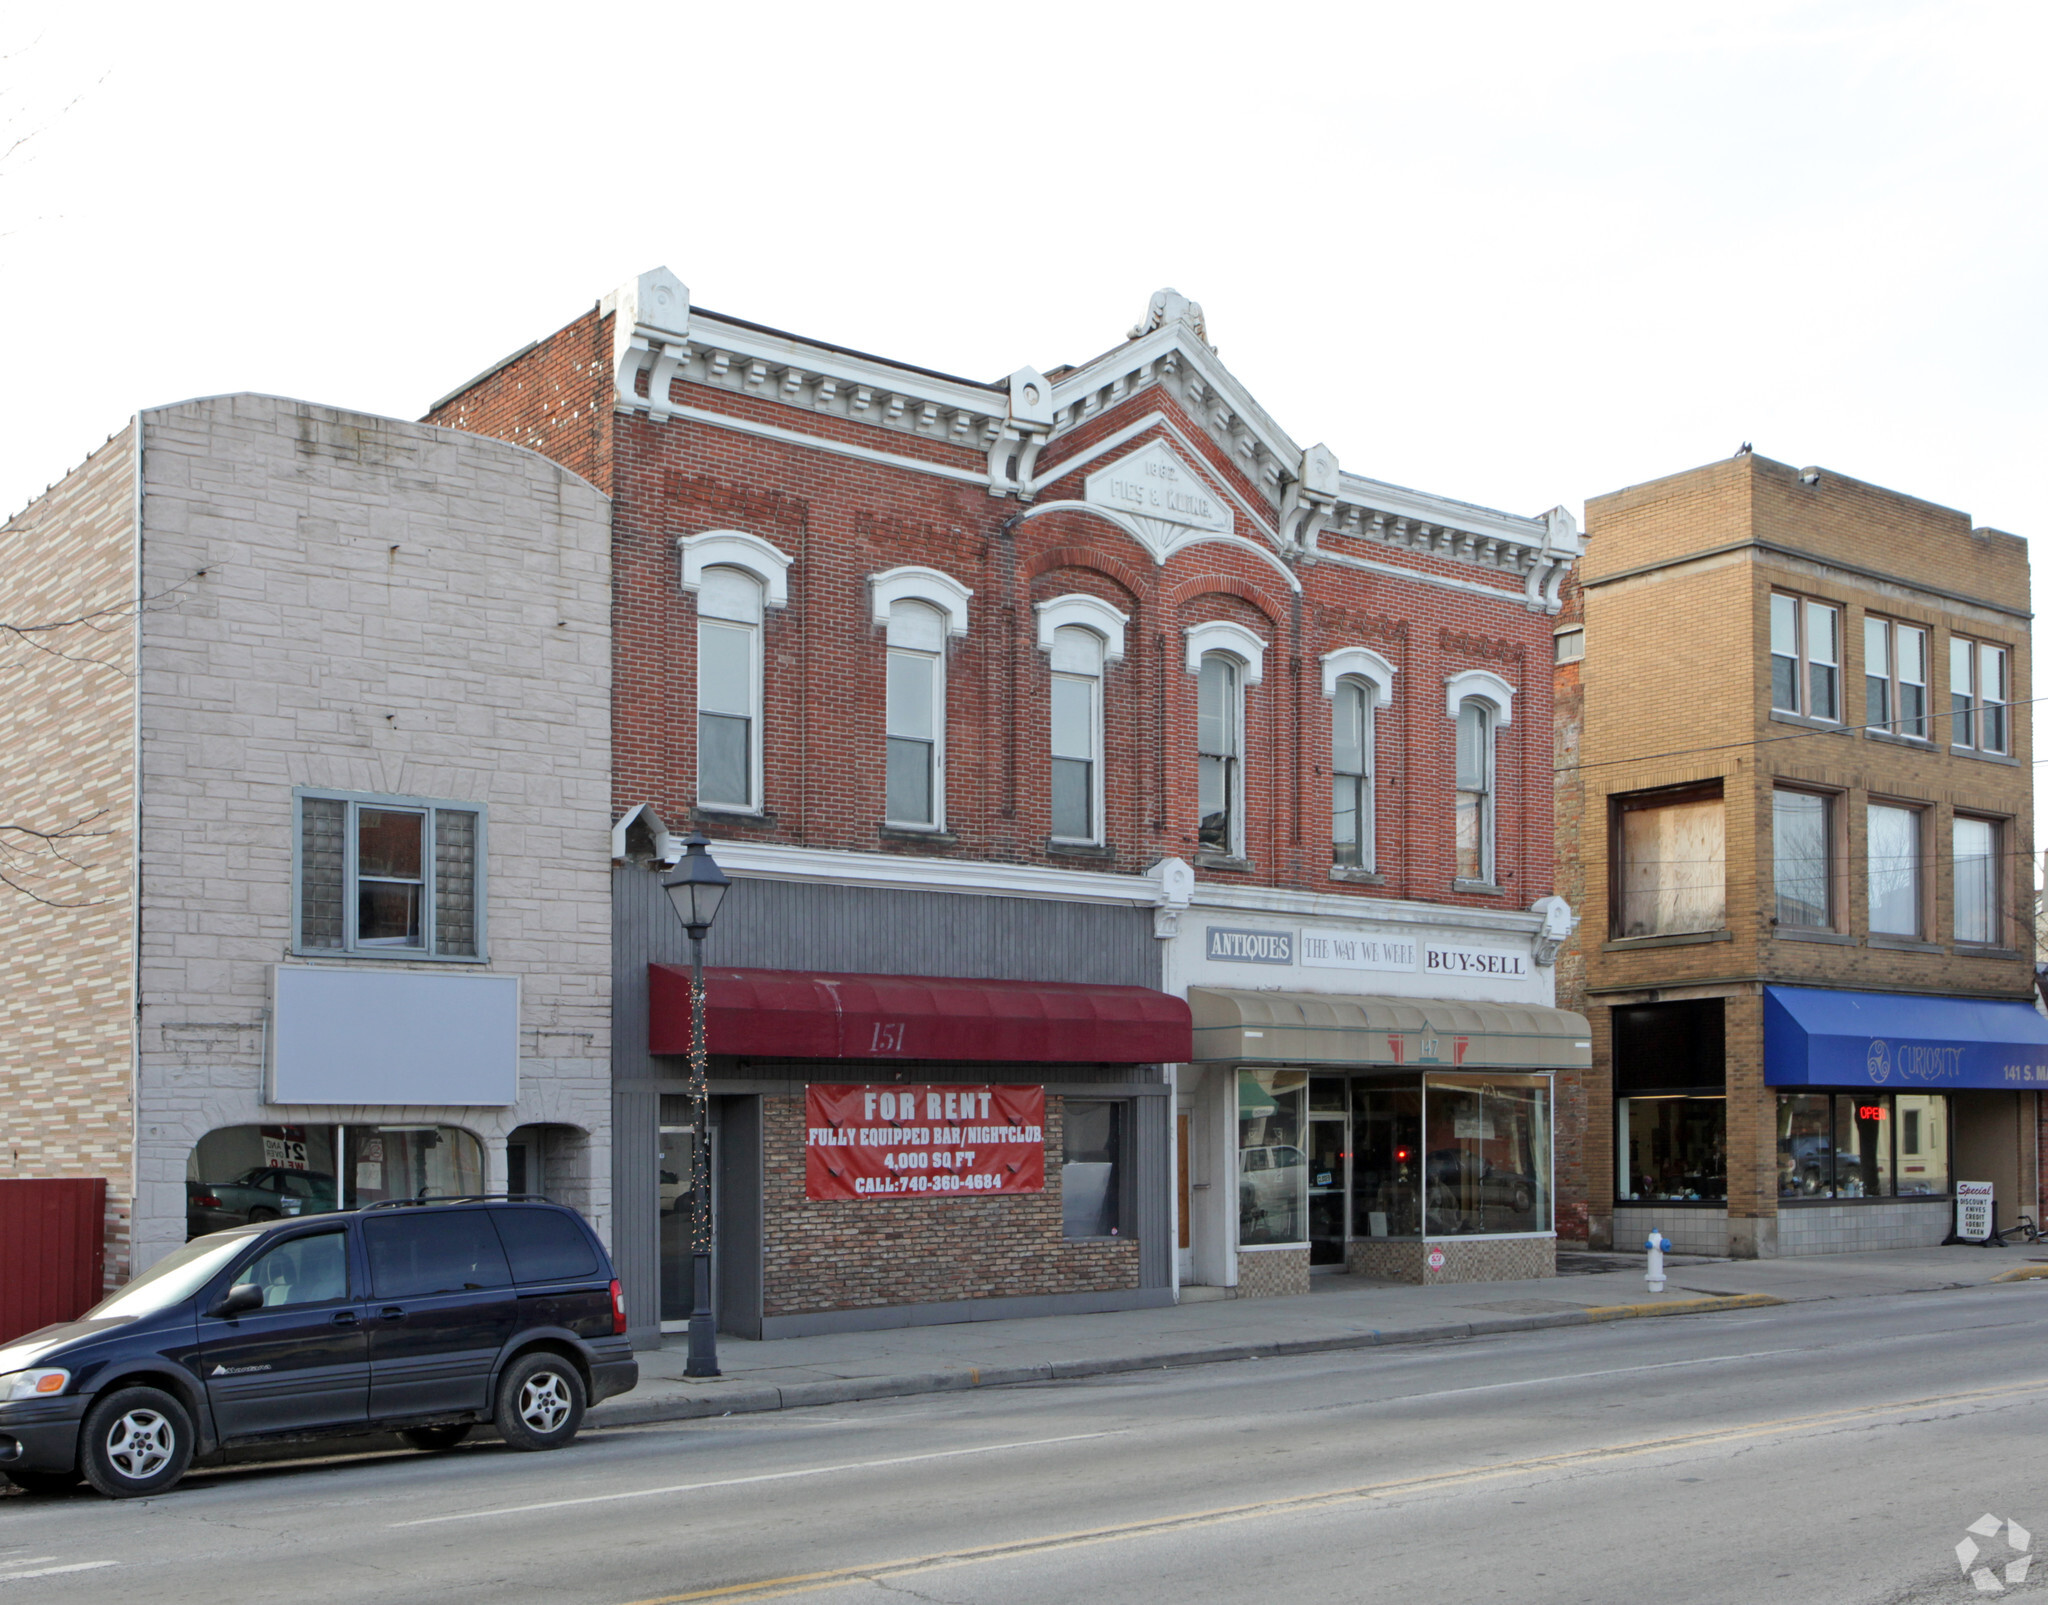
[349,1036]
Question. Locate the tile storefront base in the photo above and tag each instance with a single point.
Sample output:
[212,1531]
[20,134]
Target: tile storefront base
[1272,1272]
[1484,1259]
[1855,1228]
[1691,1230]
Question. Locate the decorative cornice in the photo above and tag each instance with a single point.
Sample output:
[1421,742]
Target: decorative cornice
[1304,497]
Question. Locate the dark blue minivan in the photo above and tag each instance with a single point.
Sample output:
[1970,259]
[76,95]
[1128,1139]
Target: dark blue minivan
[422,1317]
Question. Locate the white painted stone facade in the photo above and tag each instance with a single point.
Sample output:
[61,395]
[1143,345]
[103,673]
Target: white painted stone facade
[371,606]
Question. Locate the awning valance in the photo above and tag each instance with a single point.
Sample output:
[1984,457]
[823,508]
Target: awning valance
[800,1014]
[1311,1028]
[1819,1038]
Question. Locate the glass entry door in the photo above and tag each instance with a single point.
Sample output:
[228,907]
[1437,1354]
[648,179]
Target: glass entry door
[672,1170]
[1329,1145]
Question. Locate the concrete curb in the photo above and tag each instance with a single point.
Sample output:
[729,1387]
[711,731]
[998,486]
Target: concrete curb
[2022,1273]
[739,1398]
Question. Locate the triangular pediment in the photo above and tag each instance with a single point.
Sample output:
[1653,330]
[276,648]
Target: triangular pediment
[1155,483]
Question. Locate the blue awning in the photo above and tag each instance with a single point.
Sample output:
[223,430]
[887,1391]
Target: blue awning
[1816,1038]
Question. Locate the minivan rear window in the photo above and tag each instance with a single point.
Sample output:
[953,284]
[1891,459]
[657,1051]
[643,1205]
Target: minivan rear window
[545,1245]
[433,1251]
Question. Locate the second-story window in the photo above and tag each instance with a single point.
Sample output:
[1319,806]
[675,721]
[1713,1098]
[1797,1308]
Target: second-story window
[1893,860]
[1802,858]
[1977,863]
[916,716]
[1978,696]
[1895,677]
[1351,822]
[391,877]
[728,689]
[1076,734]
[1219,741]
[1670,873]
[1475,792]
[1806,657]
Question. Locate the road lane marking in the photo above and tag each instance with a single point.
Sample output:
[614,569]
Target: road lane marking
[737,1482]
[1581,1376]
[944,1560]
[52,1571]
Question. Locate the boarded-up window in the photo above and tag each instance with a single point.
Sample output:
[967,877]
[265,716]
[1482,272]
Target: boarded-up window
[1671,863]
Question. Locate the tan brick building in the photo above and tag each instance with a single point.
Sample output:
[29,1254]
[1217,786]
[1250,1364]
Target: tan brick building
[1794,805]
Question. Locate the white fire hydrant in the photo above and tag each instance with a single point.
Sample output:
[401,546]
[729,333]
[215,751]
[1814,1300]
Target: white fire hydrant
[1657,1243]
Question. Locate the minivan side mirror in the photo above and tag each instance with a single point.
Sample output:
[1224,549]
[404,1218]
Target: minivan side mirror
[241,1298]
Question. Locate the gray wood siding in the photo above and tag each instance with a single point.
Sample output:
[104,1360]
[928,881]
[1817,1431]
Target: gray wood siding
[790,925]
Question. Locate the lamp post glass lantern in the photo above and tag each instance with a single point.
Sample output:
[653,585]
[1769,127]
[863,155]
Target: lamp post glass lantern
[696,887]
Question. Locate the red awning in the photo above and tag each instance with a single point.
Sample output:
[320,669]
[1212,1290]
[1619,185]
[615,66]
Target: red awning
[797,1014]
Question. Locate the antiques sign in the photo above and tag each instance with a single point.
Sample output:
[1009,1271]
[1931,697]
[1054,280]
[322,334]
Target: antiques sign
[923,1142]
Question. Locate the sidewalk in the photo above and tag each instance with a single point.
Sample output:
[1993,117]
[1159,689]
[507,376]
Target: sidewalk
[1343,1312]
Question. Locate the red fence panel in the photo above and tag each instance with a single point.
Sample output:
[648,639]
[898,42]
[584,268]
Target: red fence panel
[52,1251]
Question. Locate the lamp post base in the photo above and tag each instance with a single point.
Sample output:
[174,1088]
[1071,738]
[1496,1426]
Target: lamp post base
[703,1357]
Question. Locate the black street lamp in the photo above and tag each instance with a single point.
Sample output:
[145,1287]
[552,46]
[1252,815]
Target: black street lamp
[696,887]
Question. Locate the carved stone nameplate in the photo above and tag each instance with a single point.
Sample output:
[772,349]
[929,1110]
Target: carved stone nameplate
[1154,483]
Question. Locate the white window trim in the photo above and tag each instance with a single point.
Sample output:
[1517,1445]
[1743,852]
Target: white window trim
[1246,677]
[757,764]
[1233,640]
[1489,809]
[733,548]
[1359,663]
[1377,696]
[936,825]
[926,585]
[1090,613]
[350,948]
[1099,743]
[1479,685]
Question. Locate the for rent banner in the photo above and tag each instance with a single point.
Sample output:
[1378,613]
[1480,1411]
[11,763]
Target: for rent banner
[923,1142]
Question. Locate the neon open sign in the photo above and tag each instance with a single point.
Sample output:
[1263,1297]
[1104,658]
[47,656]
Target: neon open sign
[1872,1111]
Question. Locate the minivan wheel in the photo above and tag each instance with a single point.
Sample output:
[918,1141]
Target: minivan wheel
[436,1439]
[540,1402]
[45,1482]
[135,1441]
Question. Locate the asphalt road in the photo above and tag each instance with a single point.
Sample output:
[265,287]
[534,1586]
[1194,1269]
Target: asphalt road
[1829,1452]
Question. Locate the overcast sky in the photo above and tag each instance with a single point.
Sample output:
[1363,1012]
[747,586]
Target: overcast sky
[1519,254]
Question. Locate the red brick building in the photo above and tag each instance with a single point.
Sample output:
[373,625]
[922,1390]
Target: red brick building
[1089,678]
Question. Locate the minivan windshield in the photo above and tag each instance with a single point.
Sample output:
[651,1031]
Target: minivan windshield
[176,1276]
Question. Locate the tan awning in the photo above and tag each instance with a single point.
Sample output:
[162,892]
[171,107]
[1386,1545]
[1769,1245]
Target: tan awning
[1310,1028]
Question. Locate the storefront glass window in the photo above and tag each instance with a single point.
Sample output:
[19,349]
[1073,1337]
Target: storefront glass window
[1673,1147]
[1091,1173]
[1920,1132]
[1386,1160]
[1805,1146]
[1486,1161]
[1272,1170]
[244,1175]
[1862,1145]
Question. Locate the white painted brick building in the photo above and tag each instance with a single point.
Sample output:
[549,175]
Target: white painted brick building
[347,930]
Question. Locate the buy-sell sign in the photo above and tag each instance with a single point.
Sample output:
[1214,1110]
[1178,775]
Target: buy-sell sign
[923,1142]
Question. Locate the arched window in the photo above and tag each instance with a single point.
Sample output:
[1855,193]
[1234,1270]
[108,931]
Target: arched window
[1077,654]
[1475,791]
[1219,743]
[728,689]
[916,716]
[1351,820]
